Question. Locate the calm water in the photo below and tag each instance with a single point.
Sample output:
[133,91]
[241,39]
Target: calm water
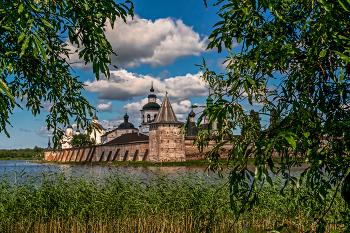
[20,168]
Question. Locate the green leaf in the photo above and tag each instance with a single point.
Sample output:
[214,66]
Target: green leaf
[343,5]
[41,48]
[323,53]
[21,36]
[343,57]
[24,46]
[46,23]
[6,90]
[20,8]
[289,137]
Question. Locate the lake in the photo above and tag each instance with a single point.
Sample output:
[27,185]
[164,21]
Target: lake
[19,168]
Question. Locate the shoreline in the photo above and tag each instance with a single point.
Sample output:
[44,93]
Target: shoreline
[29,159]
[191,163]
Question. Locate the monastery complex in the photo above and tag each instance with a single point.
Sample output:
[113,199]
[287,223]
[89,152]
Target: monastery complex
[158,138]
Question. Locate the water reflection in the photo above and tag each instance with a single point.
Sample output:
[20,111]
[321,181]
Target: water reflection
[20,168]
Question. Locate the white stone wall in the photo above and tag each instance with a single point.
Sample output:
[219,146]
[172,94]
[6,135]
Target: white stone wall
[148,112]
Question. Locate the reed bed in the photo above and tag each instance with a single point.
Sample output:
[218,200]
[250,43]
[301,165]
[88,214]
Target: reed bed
[64,202]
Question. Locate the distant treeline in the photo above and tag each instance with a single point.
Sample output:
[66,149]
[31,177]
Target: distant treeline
[22,153]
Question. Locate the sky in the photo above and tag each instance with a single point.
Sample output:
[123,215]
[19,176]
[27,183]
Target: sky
[162,43]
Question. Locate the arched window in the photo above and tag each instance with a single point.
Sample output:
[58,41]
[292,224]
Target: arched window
[143,118]
[148,118]
[155,115]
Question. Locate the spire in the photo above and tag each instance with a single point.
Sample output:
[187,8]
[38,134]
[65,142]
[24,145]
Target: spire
[166,113]
[95,118]
[152,90]
[49,144]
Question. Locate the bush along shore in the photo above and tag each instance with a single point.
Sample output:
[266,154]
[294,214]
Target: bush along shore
[69,202]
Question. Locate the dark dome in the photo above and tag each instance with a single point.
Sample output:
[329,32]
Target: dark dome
[69,127]
[78,130]
[126,125]
[192,114]
[152,96]
[151,106]
[95,118]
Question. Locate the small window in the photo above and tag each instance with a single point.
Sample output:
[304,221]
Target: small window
[155,115]
[148,118]
[143,118]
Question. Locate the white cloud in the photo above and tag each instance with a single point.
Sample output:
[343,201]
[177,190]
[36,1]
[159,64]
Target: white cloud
[157,43]
[164,74]
[104,107]
[43,132]
[124,85]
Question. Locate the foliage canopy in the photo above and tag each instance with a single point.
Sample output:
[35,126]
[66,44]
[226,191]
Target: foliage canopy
[294,58]
[82,140]
[36,37]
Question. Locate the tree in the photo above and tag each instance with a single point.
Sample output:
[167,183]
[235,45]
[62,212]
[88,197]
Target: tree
[251,126]
[82,140]
[35,37]
[303,47]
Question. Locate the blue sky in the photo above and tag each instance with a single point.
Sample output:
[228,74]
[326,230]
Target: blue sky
[162,44]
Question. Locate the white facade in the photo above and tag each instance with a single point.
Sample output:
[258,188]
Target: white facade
[97,131]
[149,112]
[67,138]
[109,136]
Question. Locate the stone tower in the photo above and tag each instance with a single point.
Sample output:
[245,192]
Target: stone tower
[166,143]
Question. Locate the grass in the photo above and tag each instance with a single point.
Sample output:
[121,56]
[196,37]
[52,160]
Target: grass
[70,202]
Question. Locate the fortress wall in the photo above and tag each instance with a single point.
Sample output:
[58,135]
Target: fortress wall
[192,152]
[166,144]
[124,152]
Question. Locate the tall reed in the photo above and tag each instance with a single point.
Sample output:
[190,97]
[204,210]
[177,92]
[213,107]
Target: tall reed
[63,202]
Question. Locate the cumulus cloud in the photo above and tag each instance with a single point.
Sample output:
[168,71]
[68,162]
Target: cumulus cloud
[43,132]
[164,74]
[124,85]
[157,43]
[47,106]
[104,107]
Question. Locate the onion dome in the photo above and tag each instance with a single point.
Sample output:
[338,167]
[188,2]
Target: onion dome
[69,127]
[126,124]
[192,114]
[209,101]
[152,95]
[151,106]
[95,117]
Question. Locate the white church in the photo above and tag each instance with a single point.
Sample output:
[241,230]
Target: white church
[148,113]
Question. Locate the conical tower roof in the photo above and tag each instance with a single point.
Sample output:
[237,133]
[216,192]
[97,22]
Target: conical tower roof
[166,114]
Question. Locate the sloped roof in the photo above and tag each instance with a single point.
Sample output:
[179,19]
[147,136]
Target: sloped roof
[128,138]
[166,114]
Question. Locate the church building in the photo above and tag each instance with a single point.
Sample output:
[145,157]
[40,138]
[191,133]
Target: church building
[125,127]
[149,112]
